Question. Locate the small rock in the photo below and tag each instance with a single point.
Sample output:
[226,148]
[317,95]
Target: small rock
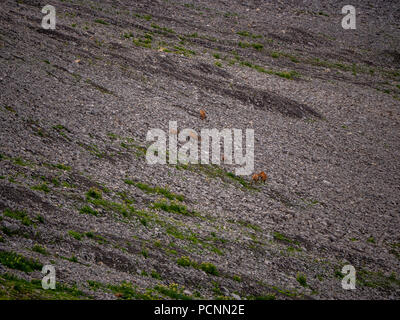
[236,297]
[225,291]
[11,226]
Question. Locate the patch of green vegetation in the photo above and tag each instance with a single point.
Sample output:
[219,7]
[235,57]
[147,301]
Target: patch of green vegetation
[59,127]
[125,197]
[127,35]
[193,35]
[40,249]
[283,74]
[301,278]
[89,234]
[377,280]
[335,65]
[145,43]
[73,259]
[395,250]
[338,274]
[144,221]
[216,289]
[129,143]
[183,51]
[157,244]
[275,55]
[95,285]
[293,249]
[62,166]
[20,162]
[288,293]
[154,274]
[16,261]
[371,240]
[189,235]
[18,215]
[101,21]
[257,46]
[14,288]
[8,231]
[61,130]
[145,253]
[184,261]
[55,182]
[249,34]
[125,210]
[311,202]
[146,17]
[76,235]
[239,179]
[158,190]
[41,187]
[126,291]
[244,44]
[93,193]
[164,29]
[218,64]
[217,56]
[171,252]
[8,108]
[217,239]
[214,171]
[320,277]
[175,232]
[237,278]
[249,225]
[98,238]
[230,14]
[209,268]
[172,207]
[280,237]
[68,185]
[243,33]
[173,291]
[88,210]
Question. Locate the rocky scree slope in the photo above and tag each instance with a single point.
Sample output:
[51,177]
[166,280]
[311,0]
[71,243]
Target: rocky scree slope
[76,192]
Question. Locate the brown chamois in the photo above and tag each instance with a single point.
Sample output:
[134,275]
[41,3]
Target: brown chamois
[202,114]
[263,176]
[255,178]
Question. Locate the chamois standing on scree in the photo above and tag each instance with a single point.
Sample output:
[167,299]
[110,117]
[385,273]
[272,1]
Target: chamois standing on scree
[262,176]
[202,114]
